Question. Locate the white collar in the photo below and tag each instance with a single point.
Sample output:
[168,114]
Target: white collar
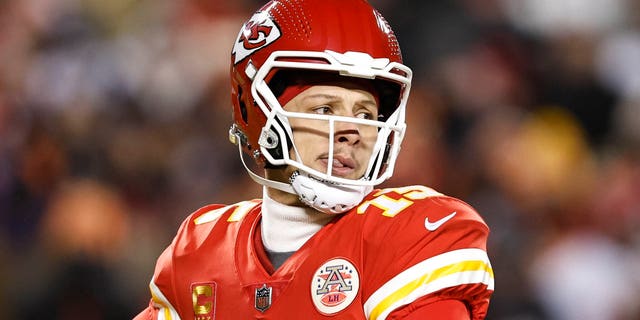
[286,228]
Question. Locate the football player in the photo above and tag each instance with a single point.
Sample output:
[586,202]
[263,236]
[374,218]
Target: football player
[319,93]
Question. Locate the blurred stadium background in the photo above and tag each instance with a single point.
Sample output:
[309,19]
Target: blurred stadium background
[114,118]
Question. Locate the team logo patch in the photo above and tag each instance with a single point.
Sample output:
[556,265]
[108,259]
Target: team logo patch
[257,33]
[263,298]
[334,286]
[204,300]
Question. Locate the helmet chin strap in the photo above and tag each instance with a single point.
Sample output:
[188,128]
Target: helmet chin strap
[263,181]
[321,195]
[325,196]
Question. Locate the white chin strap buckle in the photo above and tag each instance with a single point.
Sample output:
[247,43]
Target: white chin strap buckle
[325,196]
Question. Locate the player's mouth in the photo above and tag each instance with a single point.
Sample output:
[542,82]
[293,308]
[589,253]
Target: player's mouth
[342,166]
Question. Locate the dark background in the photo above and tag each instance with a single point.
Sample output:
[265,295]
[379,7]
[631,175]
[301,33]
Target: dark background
[114,118]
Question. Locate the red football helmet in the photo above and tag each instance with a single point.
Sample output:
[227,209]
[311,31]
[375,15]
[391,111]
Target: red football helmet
[346,38]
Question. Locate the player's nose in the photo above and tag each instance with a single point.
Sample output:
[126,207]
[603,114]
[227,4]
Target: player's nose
[346,132]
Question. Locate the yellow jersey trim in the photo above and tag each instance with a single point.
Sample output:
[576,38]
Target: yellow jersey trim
[464,266]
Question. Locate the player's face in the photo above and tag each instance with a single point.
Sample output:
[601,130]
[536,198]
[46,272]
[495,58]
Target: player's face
[353,143]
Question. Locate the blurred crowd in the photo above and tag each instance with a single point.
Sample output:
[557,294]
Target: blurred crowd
[114,119]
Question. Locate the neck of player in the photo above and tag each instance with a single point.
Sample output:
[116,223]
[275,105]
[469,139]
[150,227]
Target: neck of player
[282,211]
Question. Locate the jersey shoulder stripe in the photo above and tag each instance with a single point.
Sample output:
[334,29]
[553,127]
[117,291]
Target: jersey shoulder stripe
[166,310]
[450,269]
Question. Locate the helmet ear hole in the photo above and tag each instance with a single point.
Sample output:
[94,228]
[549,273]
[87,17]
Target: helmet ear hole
[243,106]
[275,149]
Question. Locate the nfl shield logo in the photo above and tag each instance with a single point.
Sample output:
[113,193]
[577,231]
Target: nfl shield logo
[263,298]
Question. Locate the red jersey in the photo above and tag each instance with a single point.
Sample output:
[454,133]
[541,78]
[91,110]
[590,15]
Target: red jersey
[399,249]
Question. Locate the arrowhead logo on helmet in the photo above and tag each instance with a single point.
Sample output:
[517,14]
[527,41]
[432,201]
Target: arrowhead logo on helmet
[257,33]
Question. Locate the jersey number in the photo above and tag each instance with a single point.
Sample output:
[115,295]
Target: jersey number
[239,211]
[391,207]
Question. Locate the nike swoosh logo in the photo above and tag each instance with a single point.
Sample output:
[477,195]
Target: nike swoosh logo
[432,226]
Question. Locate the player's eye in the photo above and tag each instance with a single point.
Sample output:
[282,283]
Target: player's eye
[366,112]
[364,115]
[324,109]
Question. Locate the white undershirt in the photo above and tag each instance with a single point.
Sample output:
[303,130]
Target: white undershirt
[286,228]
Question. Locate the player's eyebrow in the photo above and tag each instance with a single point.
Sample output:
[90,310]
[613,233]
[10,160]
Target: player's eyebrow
[332,97]
[321,96]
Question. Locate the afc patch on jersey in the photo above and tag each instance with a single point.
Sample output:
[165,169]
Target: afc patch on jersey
[257,33]
[334,286]
[204,300]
